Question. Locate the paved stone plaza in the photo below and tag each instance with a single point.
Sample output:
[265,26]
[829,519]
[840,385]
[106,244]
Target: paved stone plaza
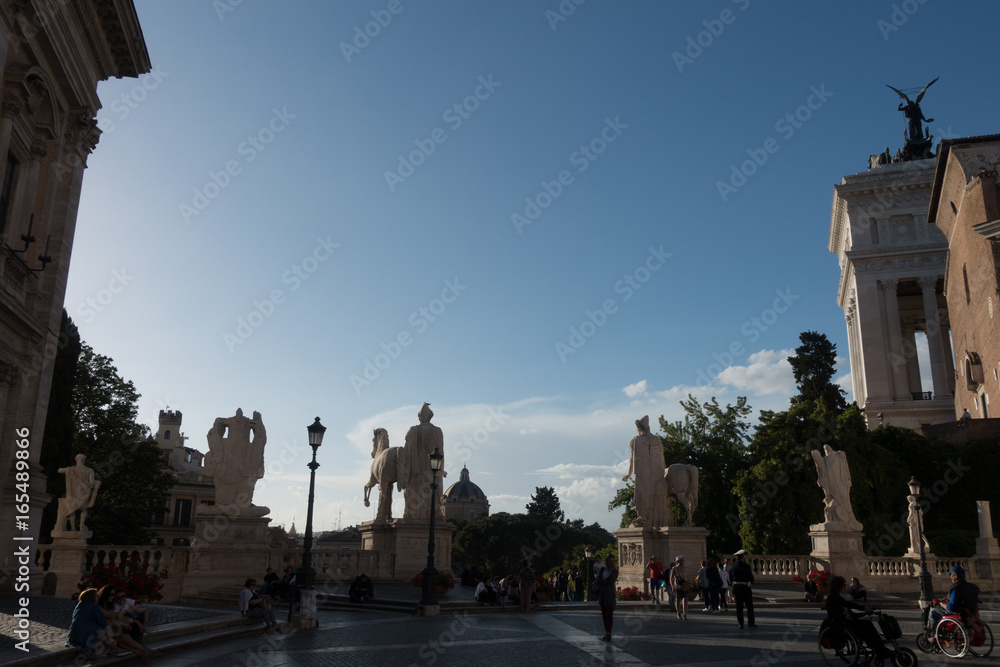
[785,636]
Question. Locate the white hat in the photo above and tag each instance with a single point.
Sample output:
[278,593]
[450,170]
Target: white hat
[739,553]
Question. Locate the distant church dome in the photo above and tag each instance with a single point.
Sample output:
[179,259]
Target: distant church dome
[464,500]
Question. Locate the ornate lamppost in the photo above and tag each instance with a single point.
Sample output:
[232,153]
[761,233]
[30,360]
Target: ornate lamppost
[926,593]
[302,614]
[428,600]
[590,569]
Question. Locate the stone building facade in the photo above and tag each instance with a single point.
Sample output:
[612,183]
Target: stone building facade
[965,206]
[177,525]
[464,501]
[53,53]
[892,288]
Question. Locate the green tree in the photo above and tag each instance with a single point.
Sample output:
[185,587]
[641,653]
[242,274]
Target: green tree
[813,366]
[57,444]
[134,481]
[713,439]
[544,506]
[625,498]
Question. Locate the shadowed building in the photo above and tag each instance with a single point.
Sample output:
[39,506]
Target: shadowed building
[965,206]
[52,55]
[464,501]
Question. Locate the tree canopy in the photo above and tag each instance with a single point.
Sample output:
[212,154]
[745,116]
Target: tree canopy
[544,505]
[104,408]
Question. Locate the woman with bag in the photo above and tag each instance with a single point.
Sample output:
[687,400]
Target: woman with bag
[607,595]
[678,581]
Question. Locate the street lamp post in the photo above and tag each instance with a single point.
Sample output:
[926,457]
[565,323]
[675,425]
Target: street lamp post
[590,568]
[926,593]
[428,601]
[302,614]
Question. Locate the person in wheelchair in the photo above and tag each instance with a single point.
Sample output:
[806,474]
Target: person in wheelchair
[840,614]
[963,599]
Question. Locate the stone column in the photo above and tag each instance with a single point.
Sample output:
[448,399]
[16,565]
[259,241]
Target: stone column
[928,285]
[912,363]
[855,359]
[897,359]
[872,341]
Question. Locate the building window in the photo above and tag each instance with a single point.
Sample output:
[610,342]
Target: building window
[182,512]
[965,277]
[166,435]
[6,190]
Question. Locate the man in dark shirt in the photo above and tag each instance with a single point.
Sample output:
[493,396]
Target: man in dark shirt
[742,582]
[963,597]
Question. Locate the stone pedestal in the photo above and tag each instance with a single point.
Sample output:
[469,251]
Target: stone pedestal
[305,617]
[636,545]
[226,550]
[69,558]
[402,546]
[840,551]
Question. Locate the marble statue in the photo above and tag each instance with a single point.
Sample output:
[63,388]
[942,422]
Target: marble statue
[835,480]
[235,461]
[646,463]
[682,482]
[384,473]
[413,465]
[81,491]
[914,519]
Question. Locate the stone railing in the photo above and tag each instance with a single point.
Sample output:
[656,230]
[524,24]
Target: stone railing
[63,568]
[779,568]
[881,573]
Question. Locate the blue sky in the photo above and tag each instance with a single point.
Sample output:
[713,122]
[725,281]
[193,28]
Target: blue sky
[524,216]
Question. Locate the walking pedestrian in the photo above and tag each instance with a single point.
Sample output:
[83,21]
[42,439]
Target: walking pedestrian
[655,575]
[607,596]
[742,588]
[678,581]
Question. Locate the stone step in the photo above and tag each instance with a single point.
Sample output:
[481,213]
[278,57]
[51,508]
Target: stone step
[161,639]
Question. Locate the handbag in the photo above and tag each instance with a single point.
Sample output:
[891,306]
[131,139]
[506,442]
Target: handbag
[595,587]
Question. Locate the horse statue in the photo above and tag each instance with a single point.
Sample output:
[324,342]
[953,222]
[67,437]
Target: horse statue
[682,481]
[383,473]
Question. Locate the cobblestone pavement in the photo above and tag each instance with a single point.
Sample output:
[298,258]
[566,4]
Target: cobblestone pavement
[546,638]
[50,618]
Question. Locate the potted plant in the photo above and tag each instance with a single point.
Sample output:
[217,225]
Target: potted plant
[821,578]
[544,590]
[443,582]
[629,594]
[133,575]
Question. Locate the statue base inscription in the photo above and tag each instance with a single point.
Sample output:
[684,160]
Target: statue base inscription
[636,545]
[402,547]
[68,562]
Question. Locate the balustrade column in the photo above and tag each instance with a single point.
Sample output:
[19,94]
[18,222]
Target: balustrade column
[929,286]
[897,359]
[912,363]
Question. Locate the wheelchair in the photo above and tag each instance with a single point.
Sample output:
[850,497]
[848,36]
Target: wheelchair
[955,639]
[842,648]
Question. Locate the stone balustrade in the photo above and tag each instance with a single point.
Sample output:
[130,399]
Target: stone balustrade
[64,567]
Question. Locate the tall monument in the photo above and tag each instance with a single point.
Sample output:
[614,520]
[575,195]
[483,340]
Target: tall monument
[231,535]
[653,532]
[402,542]
[891,288]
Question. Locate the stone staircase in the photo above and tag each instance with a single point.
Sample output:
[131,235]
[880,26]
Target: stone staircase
[161,640]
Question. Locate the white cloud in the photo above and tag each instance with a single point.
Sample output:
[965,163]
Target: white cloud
[575,470]
[637,389]
[767,373]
